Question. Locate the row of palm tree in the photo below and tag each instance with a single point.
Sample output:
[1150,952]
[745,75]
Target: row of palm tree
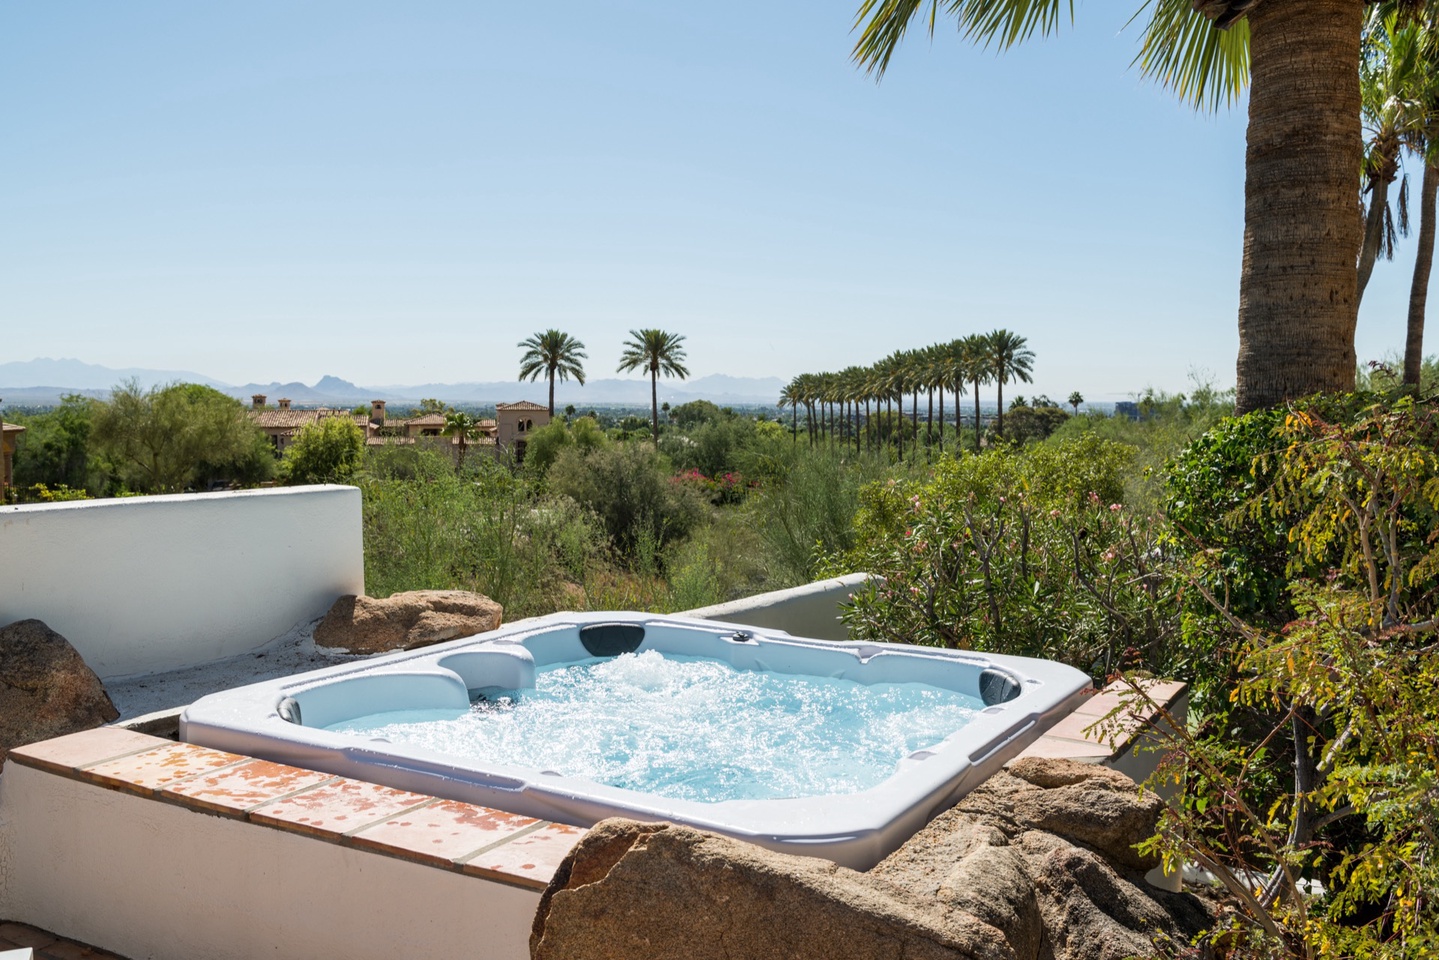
[558,355]
[997,358]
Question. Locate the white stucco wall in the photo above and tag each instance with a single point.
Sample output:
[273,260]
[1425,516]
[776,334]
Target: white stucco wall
[145,584]
[148,879]
[811,610]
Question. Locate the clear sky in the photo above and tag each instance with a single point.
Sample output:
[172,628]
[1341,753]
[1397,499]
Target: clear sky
[399,192]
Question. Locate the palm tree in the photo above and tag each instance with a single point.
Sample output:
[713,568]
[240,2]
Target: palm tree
[1423,263]
[1009,359]
[554,354]
[790,397]
[1075,399]
[1392,78]
[953,375]
[1299,278]
[466,428]
[658,352]
[974,358]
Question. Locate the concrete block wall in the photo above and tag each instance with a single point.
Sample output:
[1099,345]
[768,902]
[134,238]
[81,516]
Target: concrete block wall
[148,584]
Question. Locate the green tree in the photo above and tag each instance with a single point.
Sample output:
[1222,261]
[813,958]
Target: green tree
[1298,279]
[1075,399]
[974,359]
[1009,359]
[554,354]
[53,450]
[657,352]
[428,406]
[464,427]
[326,451]
[177,437]
[696,412]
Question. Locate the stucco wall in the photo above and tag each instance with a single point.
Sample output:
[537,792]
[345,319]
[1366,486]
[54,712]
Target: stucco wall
[149,879]
[146,584]
[811,610]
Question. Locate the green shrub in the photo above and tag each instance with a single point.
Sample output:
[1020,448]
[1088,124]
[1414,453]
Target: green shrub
[489,534]
[326,451]
[628,488]
[1026,554]
[1338,785]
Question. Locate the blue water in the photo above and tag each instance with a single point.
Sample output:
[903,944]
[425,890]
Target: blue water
[690,728]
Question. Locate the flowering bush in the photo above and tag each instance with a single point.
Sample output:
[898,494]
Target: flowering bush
[1023,554]
[720,489]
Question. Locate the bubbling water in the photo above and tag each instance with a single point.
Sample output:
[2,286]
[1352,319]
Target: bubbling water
[689,728]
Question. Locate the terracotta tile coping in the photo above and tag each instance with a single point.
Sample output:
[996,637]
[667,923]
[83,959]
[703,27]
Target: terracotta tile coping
[1072,738]
[463,837]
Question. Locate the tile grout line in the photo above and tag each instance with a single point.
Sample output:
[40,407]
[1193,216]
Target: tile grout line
[522,832]
[428,801]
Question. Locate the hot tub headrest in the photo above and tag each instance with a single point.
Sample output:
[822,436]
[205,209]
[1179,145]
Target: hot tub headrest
[612,639]
[996,686]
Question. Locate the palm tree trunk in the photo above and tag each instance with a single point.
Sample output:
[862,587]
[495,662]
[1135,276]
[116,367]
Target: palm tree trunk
[1419,289]
[655,404]
[999,428]
[794,422]
[899,425]
[1298,284]
[1385,169]
[976,414]
[914,420]
[941,418]
[929,423]
[552,394]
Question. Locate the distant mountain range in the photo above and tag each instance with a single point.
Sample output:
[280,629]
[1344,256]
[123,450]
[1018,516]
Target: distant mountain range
[43,382]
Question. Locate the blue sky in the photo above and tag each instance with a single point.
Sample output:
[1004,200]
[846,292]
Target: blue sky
[400,192]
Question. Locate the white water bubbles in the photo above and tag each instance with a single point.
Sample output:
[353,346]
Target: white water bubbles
[691,728]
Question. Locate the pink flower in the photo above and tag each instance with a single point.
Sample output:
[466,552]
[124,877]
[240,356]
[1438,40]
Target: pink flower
[1115,508]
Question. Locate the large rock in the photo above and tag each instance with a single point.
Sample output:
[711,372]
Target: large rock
[1012,872]
[46,690]
[636,890]
[404,621]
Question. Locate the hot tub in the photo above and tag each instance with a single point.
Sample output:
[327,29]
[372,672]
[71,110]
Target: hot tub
[319,720]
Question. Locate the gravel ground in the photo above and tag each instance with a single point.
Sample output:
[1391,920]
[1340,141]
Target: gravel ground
[295,652]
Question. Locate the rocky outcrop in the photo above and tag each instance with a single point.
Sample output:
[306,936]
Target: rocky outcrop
[1038,863]
[46,690]
[404,621]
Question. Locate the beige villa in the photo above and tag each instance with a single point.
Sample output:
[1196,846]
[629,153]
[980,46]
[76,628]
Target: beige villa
[507,432]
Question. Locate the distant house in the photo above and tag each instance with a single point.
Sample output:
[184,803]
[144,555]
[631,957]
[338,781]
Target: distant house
[9,433]
[514,422]
[283,423]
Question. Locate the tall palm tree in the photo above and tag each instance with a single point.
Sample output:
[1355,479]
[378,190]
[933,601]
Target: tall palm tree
[1075,399]
[1423,263]
[790,397]
[1009,359]
[554,354]
[974,358]
[1393,72]
[953,371]
[657,352]
[1299,277]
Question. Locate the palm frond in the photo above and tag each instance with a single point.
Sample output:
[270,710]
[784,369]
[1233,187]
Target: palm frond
[1203,65]
[883,23]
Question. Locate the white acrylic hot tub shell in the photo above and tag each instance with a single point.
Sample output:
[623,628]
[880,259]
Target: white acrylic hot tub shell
[856,830]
